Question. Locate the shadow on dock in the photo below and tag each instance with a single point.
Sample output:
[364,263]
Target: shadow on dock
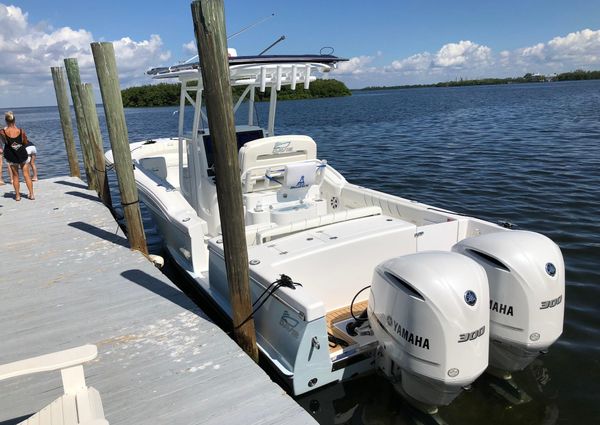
[84,196]
[101,233]
[15,421]
[10,195]
[66,183]
[163,290]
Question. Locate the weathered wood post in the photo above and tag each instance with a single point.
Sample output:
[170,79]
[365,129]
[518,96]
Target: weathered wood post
[62,99]
[108,77]
[74,80]
[93,127]
[209,27]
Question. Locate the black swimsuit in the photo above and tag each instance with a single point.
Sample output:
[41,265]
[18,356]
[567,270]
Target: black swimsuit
[15,152]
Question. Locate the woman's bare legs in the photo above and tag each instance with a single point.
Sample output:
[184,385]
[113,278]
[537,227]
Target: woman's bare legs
[14,175]
[10,173]
[28,181]
[33,167]
[1,171]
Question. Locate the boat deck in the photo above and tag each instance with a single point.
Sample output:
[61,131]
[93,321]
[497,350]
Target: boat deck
[68,278]
[339,315]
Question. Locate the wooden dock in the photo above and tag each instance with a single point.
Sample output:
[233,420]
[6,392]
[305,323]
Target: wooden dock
[68,278]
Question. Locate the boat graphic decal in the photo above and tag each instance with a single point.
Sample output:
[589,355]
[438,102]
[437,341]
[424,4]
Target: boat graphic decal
[289,323]
[300,183]
[282,147]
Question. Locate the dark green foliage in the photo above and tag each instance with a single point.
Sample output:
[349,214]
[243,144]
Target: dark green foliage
[527,78]
[151,95]
[578,75]
[317,89]
[168,94]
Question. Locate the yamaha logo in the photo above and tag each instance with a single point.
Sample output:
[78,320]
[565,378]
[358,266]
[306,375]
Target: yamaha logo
[390,322]
[550,269]
[470,298]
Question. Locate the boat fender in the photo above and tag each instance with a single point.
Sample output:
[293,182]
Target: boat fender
[157,260]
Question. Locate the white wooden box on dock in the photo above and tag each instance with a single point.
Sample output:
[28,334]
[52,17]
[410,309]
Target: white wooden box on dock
[68,278]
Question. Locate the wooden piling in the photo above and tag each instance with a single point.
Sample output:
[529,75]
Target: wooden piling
[108,77]
[95,136]
[209,27]
[72,69]
[62,99]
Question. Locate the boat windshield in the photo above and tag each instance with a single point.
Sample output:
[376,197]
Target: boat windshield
[242,137]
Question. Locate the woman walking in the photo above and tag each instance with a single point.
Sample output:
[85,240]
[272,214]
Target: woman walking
[15,153]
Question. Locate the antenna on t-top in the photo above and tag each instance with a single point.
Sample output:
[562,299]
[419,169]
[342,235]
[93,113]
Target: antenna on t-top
[272,44]
[260,21]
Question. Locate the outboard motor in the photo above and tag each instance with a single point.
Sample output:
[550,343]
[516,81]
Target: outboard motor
[429,312]
[526,274]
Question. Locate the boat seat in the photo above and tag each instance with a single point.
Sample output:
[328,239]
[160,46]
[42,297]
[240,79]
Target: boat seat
[271,153]
[156,164]
[263,236]
[297,197]
[299,175]
[296,179]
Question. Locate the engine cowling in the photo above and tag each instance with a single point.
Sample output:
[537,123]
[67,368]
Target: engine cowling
[526,274]
[429,312]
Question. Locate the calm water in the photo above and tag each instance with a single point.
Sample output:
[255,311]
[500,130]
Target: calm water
[528,154]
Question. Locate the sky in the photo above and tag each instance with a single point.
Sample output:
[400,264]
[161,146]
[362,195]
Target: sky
[387,42]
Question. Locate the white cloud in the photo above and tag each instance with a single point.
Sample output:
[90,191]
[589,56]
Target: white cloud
[13,19]
[576,49]
[135,56]
[578,46]
[535,52]
[190,48]
[455,56]
[580,49]
[355,65]
[461,54]
[415,63]
[29,50]
[467,59]
[356,70]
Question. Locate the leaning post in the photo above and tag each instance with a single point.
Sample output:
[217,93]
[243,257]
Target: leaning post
[209,27]
[93,127]
[108,77]
[74,80]
[62,99]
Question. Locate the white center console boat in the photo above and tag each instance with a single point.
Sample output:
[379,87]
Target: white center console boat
[348,279]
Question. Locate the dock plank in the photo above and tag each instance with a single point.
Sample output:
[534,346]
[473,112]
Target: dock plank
[68,278]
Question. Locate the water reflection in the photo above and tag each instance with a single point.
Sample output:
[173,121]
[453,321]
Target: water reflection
[530,397]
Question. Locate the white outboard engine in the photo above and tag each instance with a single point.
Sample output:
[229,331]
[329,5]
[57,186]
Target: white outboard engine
[526,274]
[429,312]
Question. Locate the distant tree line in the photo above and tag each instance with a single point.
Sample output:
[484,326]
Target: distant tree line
[163,94]
[579,74]
[166,94]
[527,78]
[317,89]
